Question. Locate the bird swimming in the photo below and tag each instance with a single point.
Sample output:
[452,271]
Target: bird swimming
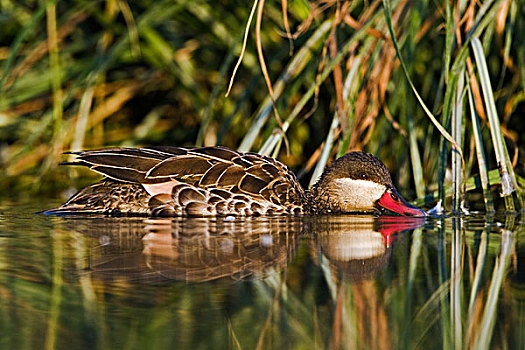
[217,181]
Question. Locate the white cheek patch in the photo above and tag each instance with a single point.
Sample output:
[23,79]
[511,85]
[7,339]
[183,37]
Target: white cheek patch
[356,244]
[356,195]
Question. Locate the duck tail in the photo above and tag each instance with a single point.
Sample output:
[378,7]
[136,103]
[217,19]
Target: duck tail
[104,197]
[73,210]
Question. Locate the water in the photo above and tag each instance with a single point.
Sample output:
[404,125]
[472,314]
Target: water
[330,282]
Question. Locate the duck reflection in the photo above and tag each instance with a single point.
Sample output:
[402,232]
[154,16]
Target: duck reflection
[359,246]
[356,249]
[190,249]
[198,250]
[205,249]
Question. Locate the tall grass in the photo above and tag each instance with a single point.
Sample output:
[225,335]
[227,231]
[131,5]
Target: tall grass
[431,88]
[143,73]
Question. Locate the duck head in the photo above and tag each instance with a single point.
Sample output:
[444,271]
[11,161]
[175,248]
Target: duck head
[358,182]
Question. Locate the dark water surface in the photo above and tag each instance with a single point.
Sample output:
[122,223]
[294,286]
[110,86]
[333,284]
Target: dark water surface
[328,282]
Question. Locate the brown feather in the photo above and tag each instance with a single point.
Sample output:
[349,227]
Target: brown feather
[221,153]
[141,164]
[122,174]
[197,209]
[211,177]
[168,151]
[272,171]
[179,166]
[222,193]
[252,185]
[260,173]
[190,194]
[231,176]
[242,162]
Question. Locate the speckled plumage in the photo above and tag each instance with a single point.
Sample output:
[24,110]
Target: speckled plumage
[178,181]
[199,182]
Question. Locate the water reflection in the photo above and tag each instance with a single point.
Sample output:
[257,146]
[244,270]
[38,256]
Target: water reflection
[359,246]
[199,250]
[194,249]
[327,282]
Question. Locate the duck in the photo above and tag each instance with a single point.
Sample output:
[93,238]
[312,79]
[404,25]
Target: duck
[169,181]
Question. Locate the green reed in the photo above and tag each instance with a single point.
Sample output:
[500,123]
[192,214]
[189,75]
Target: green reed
[156,73]
[480,155]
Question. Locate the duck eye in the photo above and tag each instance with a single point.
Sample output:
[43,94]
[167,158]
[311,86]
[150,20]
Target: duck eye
[394,197]
[363,176]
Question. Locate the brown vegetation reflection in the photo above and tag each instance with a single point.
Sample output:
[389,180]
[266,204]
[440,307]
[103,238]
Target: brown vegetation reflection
[357,249]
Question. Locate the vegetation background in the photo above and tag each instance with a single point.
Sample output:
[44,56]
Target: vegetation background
[397,78]
[317,78]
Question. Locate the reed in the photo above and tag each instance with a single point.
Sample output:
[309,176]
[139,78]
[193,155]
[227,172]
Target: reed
[480,155]
[56,292]
[482,339]
[156,73]
[508,179]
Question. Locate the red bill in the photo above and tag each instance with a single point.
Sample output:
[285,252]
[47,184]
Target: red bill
[392,201]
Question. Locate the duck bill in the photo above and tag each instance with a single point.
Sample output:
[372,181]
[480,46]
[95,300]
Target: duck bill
[392,201]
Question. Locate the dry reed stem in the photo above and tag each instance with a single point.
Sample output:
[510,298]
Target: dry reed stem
[337,326]
[337,73]
[320,68]
[111,11]
[97,116]
[4,53]
[113,104]
[41,103]
[262,63]
[352,23]
[371,96]
[245,40]
[425,27]
[501,16]
[36,104]
[394,123]
[476,92]
[312,161]
[507,61]
[315,10]
[284,7]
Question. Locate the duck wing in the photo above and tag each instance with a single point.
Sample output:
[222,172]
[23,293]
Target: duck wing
[125,164]
[161,169]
